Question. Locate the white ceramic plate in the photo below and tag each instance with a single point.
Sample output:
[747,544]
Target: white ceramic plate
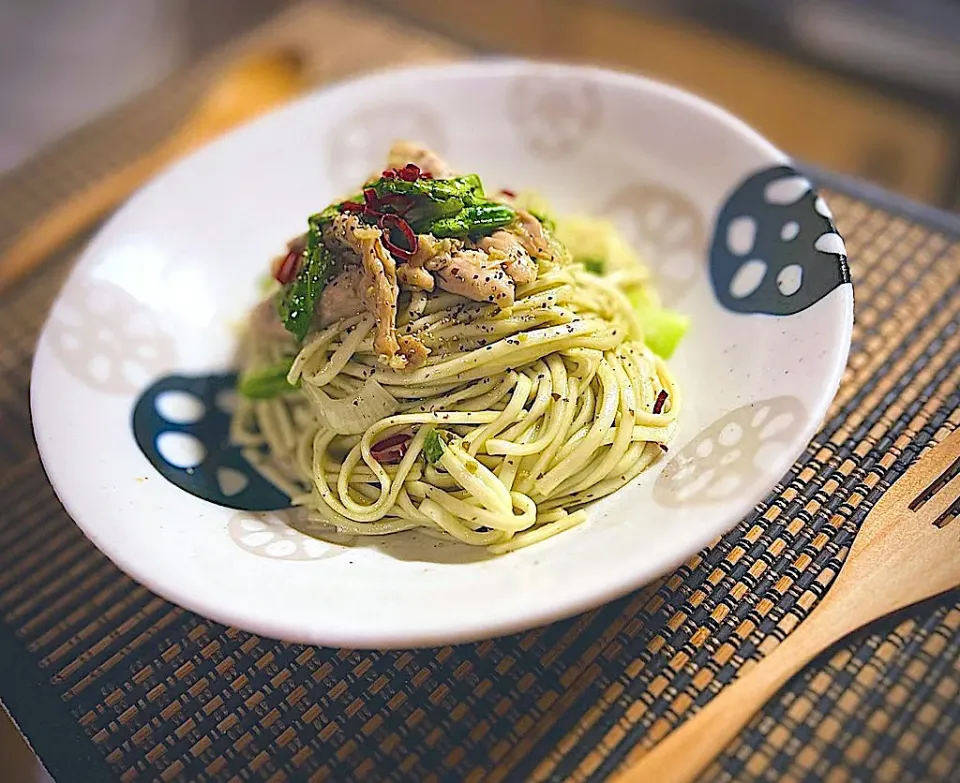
[738,240]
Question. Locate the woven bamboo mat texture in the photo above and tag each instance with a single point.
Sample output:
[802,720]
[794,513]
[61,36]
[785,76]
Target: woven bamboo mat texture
[112,682]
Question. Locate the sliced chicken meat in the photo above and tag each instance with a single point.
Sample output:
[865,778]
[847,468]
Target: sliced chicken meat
[343,296]
[532,237]
[412,350]
[404,152]
[429,248]
[415,277]
[516,260]
[380,289]
[474,275]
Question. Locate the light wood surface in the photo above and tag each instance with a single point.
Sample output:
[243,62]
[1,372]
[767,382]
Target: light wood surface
[900,557]
[253,86]
[17,761]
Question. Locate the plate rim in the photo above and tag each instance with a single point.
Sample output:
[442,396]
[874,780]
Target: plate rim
[628,579]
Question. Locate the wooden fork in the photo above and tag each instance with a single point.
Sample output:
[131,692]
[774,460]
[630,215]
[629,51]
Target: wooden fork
[903,554]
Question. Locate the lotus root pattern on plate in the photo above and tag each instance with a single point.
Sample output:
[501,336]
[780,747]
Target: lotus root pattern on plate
[357,144]
[182,426]
[668,230]
[107,340]
[775,248]
[554,116]
[723,459]
[273,535]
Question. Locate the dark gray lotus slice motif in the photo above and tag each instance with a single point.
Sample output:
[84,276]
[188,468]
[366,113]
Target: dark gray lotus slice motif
[775,248]
[182,426]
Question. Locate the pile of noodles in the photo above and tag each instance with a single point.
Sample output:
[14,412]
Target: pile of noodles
[517,420]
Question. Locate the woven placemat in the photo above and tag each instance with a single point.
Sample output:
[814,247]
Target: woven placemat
[110,682]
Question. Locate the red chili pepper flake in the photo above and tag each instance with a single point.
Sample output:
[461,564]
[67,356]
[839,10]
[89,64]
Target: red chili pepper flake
[375,206]
[410,172]
[392,226]
[508,193]
[289,267]
[661,399]
[391,449]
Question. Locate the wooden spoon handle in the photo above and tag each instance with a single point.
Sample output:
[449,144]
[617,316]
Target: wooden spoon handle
[78,212]
[689,749]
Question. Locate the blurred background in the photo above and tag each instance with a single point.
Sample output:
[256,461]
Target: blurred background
[866,87]
[870,88]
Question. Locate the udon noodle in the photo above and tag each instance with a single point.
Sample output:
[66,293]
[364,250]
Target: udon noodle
[488,422]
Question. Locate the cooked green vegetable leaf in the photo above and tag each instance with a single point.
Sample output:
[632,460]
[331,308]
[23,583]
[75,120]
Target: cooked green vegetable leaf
[662,328]
[425,214]
[326,215]
[298,299]
[266,382]
[593,265]
[468,189]
[663,331]
[433,446]
[329,213]
[482,219]
[454,207]
[473,183]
